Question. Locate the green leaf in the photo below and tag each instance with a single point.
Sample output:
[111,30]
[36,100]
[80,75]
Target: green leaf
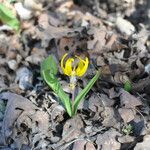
[83,93]
[50,64]
[128,86]
[7,17]
[48,71]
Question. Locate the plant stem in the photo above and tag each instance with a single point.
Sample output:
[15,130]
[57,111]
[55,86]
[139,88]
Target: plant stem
[73,98]
[73,86]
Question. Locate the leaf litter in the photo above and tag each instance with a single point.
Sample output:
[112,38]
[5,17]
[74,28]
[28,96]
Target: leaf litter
[115,36]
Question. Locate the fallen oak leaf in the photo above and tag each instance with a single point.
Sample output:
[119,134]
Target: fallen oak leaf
[22,111]
[14,105]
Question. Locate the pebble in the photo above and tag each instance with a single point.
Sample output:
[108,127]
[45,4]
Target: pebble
[124,26]
[12,64]
[33,5]
[5,28]
[54,139]
[100,61]
[84,23]
[24,13]
[25,78]
[88,129]
[147,69]
[34,59]
[18,58]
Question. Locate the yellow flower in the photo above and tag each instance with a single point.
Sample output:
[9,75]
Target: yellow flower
[70,68]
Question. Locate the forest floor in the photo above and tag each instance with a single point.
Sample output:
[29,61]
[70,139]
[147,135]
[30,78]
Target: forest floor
[115,114]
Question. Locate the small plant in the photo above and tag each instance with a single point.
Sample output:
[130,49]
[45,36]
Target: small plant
[8,17]
[127,129]
[73,67]
[128,86]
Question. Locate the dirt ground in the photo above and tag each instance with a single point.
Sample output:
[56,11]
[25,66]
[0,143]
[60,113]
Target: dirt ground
[115,114]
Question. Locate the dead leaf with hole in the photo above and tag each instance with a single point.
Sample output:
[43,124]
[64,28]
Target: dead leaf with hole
[24,116]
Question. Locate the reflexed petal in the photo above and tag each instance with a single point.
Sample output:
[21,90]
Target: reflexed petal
[68,67]
[79,68]
[82,67]
[62,62]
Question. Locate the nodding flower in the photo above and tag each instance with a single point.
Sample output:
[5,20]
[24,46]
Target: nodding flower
[74,66]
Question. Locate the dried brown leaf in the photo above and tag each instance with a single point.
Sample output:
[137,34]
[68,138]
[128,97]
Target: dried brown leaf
[107,141]
[37,56]
[79,145]
[110,119]
[82,145]
[127,114]
[126,139]
[22,112]
[47,32]
[98,41]
[72,129]
[128,100]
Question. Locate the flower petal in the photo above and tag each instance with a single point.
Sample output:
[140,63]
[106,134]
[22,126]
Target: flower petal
[62,62]
[82,66]
[68,67]
[70,70]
